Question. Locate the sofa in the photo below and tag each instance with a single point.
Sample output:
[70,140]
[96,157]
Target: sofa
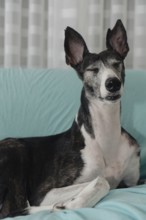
[44,102]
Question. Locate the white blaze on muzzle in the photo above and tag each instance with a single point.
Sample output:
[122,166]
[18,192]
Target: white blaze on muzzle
[107,74]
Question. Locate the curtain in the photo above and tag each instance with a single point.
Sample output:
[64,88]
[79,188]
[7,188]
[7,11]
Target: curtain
[32,31]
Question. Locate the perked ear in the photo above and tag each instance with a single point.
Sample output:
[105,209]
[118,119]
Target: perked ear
[116,39]
[75,47]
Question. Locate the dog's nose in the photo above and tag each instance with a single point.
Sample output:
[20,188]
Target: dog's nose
[113,84]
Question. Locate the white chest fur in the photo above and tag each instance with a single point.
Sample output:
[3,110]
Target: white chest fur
[107,154]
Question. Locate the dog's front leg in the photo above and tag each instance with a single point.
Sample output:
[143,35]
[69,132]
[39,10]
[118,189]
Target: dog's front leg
[88,196]
[75,196]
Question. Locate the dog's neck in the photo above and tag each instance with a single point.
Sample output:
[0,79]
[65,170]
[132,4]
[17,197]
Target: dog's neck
[105,125]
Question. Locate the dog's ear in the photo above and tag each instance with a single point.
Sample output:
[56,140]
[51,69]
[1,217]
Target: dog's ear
[75,47]
[116,39]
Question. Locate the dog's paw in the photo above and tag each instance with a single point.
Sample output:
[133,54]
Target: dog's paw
[88,197]
[59,207]
[73,203]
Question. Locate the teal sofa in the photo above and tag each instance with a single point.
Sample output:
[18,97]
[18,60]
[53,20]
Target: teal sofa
[44,102]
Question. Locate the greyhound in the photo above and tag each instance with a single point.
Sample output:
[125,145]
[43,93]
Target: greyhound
[78,167]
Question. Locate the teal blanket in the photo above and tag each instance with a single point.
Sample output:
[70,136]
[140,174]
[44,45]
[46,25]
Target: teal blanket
[44,102]
[121,204]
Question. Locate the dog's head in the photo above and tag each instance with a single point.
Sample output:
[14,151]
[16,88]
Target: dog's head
[102,74]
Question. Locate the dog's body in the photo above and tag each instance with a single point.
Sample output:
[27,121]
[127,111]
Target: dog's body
[78,167]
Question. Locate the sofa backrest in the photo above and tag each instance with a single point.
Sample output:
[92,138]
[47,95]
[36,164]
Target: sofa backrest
[37,102]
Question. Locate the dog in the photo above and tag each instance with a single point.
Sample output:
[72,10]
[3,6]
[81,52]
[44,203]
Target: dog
[76,168]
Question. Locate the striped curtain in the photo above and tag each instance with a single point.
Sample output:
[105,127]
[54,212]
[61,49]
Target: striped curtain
[32,31]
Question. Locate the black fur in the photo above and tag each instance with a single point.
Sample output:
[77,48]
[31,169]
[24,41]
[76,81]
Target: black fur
[131,139]
[84,115]
[26,175]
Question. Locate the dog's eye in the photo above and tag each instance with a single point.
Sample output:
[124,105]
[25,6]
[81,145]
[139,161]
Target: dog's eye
[116,65]
[95,70]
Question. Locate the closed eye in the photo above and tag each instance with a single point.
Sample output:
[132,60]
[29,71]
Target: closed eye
[95,70]
[116,65]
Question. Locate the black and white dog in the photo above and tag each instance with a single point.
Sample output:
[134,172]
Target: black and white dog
[78,167]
